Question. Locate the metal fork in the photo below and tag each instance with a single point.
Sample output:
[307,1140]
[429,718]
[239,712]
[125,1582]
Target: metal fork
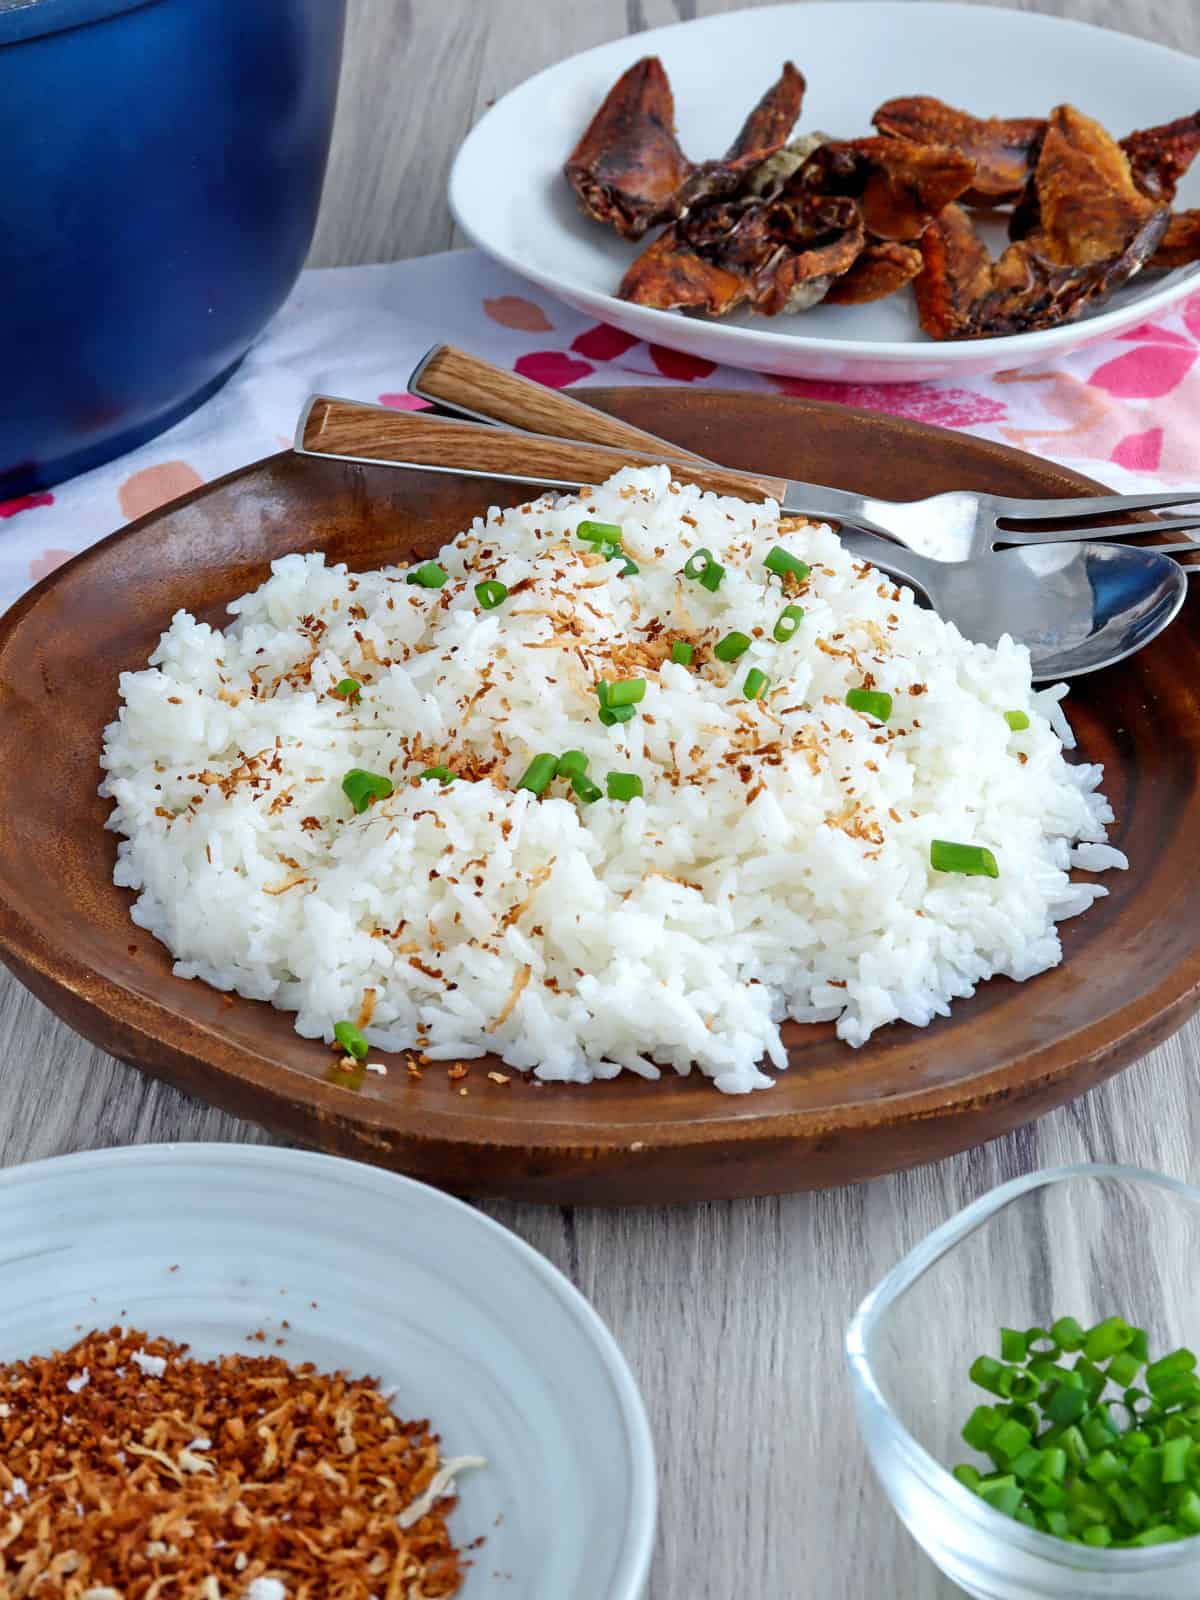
[957,526]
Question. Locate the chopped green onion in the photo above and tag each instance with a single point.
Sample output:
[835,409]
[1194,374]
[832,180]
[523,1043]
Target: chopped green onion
[731,646]
[629,569]
[1174,1459]
[705,569]
[1017,720]
[1002,1497]
[599,532]
[585,788]
[1066,1332]
[442,774]
[872,702]
[981,1425]
[1012,1345]
[682,653]
[348,689]
[1065,1404]
[351,1040]
[788,621]
[362,788]
[611,714]
[429,575]
[1107,1337]
[991,1375]
[972,859]
[538,774]
[624,786]
[780,562]
[1175,1365]
[1123,1368]
[490,593]
[625,692]
[1075,1464]
[756,685]
[571,764]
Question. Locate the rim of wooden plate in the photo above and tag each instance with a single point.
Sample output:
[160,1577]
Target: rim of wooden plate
[560,1143]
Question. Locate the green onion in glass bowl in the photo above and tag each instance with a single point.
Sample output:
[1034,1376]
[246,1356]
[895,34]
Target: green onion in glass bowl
[1083,1239]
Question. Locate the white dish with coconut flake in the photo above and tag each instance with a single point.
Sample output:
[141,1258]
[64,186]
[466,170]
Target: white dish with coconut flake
[776,864]
[358,1269]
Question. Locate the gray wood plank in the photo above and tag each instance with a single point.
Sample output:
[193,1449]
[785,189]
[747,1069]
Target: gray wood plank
[732,1315]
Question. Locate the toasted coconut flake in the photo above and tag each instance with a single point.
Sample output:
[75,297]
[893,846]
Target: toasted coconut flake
[116,1505]
[520,983]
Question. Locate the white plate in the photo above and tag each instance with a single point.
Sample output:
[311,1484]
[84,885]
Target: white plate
[508,194]
[208,1243]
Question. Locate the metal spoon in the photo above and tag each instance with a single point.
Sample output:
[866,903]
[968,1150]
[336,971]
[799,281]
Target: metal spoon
[1078,607]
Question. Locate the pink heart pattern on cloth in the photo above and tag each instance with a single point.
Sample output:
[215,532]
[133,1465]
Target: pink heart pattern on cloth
[1125,411]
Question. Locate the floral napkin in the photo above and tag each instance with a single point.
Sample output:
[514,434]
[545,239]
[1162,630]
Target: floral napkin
[1126,411]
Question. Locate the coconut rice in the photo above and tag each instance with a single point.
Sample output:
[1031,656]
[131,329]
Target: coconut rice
[777,864]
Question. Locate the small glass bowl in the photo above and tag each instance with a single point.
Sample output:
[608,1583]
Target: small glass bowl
[1082,1241]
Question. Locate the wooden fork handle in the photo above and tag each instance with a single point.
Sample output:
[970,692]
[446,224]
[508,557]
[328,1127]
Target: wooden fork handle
[409,438]
[486,393]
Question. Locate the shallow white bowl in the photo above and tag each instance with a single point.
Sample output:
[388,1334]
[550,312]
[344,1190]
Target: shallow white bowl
[377,1274]
[508,194]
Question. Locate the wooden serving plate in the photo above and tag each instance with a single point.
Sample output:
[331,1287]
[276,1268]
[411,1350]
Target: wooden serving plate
[1130,978]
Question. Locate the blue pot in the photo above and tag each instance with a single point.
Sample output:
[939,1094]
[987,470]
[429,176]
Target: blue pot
[161,165]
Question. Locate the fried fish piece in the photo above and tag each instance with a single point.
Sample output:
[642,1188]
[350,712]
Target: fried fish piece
[629,170]
[1160,156]
[899,184]
[1089,208]
[956,275]
[774,256]
[768,126]
[1004,149]
[881,269]
[963,294]
[1180,243]
[672,276]
[628,167]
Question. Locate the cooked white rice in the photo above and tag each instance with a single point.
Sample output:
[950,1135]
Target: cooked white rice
[777,866]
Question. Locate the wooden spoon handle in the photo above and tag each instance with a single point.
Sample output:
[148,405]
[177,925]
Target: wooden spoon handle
[489,394]
[411,439]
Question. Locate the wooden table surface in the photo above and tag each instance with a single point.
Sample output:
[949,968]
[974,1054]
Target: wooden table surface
[732,1315]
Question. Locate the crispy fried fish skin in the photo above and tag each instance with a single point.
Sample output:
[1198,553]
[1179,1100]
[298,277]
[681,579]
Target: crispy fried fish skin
[963,294]
[1160,156]
[1004,149]
[671,276]
[880,270]
[1180,243]
[957,274]
[773,256]
[764,132]
[1089,207]
[628,168]
[900,184]
[767,127]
